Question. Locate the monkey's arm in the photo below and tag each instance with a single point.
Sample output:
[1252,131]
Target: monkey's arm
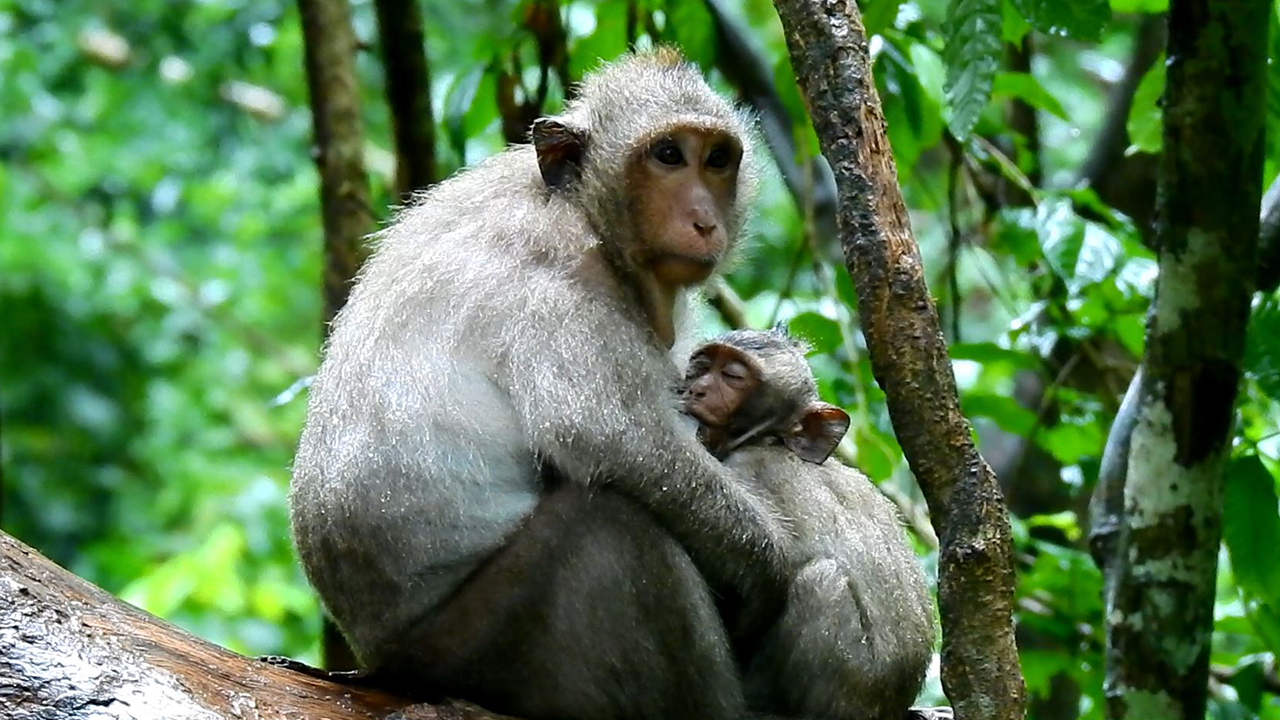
[597,402]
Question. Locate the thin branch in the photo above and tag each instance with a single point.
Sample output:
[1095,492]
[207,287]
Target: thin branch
[1126,182]
[792,270]
[1113,138]
[953,243]
[1269,239]
[408,90]
[330,45]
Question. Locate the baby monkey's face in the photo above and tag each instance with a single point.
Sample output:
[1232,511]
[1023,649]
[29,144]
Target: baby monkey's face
[718,383]
[757,388]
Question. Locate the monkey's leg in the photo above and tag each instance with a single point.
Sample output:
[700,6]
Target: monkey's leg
[591,611]
[823,658]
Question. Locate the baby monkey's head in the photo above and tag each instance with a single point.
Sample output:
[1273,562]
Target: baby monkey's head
[754,386]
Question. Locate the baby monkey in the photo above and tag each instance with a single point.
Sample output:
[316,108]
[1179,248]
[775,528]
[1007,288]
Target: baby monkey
[856,635]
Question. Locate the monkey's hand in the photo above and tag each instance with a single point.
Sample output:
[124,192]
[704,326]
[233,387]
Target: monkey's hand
[613,420]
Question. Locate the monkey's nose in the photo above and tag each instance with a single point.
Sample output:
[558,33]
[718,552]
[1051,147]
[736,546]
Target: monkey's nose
[704,228]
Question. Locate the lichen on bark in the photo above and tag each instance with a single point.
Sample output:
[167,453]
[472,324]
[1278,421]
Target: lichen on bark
[1162,575]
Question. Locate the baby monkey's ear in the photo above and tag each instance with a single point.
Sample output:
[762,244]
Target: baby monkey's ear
[817,432]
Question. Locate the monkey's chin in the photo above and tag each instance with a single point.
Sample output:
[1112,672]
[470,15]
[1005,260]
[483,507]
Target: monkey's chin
[672,269]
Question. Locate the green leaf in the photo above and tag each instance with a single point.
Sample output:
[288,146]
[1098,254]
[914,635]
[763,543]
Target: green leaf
[822,333]
[874,456]
[1079,19]
[845,290]
[1065,521]
[1131,330]
[1014,27]
[1272,134]
[972,55]
[1139,6]
[930,71]
[913,119]
[1015,234]
[691,27]
[1251,528]
[878,15]
[1146,123]
[1070,442]
[1003,409]
[1262,347]
[1026,88]
[607,40]
[1040,668]
[990,353]
[458,104]
[1060,233]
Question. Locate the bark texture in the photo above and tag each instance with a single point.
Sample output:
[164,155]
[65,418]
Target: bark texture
[330,47]
[1161,589]
[980,671]
[408,88]
[71,651]
[1106,507]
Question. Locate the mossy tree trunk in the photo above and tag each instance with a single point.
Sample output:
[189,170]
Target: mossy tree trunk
[1161,577]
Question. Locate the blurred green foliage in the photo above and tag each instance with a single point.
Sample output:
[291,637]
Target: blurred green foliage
[160,265]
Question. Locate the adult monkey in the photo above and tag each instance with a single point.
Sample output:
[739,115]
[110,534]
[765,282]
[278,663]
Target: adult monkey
[519,317]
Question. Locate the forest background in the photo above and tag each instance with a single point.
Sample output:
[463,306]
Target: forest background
[160,264]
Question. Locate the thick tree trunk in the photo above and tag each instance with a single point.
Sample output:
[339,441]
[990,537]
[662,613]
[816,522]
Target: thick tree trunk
[71,651]
[980,670]
[1161,590]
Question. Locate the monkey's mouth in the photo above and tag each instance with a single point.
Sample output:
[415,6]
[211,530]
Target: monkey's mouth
[703,414]
[673,267]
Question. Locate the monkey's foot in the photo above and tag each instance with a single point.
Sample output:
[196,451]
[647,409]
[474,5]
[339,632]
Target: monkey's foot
[349,677]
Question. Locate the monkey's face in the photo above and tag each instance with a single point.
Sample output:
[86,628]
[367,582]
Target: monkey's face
[681,192]
[719,381]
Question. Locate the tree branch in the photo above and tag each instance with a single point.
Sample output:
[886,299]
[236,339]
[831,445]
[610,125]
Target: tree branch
[330,45]
[1126,183]
[408,88]
[980,670]
[69,650]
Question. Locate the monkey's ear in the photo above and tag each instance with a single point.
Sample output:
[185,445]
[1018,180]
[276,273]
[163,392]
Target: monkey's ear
[560,151]
[817,433]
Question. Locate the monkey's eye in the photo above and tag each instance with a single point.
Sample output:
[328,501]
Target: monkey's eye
[719,157]
[667,152]
[734,371]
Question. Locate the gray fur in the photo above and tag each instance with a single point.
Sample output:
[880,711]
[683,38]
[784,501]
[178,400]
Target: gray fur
[496,327]
[857,633]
